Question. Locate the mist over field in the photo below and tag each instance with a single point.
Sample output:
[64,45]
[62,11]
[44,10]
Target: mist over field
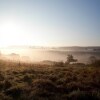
[49,74]
[49,49]
[37,54]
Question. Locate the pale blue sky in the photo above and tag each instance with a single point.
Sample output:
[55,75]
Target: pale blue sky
[50,22]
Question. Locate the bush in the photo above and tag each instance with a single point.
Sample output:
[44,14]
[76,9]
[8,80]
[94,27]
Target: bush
[96,63]
[83,95]
[5,97]
[27,78]
[59,64]
[44,84]
[7,84]
[1,77]
[15,91]
[43,88]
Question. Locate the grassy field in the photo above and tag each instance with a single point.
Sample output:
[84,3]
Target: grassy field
[23,81]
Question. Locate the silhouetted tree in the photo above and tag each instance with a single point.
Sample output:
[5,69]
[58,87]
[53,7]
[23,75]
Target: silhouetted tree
[70,59]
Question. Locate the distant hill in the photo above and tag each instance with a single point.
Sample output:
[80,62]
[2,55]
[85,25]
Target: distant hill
[77,48]
[66,48]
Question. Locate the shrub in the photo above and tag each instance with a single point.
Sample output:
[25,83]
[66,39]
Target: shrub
[44,84]
[7,84]
[42,88]
[83,95]
[96,63]
[5,97]
[1,77]
[59,64]
[15,91]
[27,78]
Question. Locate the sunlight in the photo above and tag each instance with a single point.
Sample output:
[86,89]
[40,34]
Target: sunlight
[12,33]
[17,32]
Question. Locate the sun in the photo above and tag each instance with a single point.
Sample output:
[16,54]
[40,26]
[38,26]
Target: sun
[20,32]
[12,32]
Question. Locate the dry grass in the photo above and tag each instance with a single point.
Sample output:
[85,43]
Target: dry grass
[22,81]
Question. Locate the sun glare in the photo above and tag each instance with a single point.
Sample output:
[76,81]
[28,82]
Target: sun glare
[12,33]
[18,32]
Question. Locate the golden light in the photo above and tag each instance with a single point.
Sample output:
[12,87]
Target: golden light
[19,32]
[12,32]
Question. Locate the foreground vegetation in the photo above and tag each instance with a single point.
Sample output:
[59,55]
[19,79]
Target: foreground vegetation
[22,81]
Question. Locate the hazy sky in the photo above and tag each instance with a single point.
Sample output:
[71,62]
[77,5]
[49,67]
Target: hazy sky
[50,22]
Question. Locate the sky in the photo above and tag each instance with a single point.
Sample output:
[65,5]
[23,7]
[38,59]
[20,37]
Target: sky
[50,22]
